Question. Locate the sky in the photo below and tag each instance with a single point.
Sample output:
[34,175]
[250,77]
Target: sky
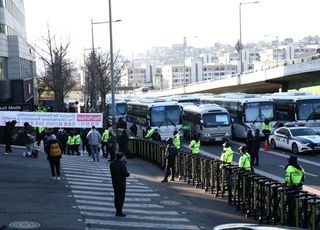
[151,23]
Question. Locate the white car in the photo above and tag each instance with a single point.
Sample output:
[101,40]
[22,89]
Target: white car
[296,139]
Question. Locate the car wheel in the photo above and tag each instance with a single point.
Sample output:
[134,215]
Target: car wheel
[295,149]
[273,144]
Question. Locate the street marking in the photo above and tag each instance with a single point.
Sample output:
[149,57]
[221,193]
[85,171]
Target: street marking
[136,205]
[105,185]
[85,180]
[141,225]
[103,198]
[95,177]
[310,174]
[108,189]
[139,217]
[129,210]
[111,193]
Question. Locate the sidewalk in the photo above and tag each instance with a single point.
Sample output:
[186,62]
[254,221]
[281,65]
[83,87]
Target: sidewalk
[28,194]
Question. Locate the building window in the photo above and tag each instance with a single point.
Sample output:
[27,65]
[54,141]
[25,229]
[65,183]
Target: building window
[3,29]
[3,3]
[3,68]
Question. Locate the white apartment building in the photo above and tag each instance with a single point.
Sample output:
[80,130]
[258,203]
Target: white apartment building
[136,76]
[217,71]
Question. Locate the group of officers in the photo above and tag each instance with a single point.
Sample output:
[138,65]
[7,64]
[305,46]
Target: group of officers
[294,173]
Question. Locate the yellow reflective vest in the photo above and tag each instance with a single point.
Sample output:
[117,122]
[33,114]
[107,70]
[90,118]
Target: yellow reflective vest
[105,136]
[294,176]
[227,155]
[176,141]
[149,134]
[195,147]
[266,127]
[245,161]
[77,139]
[70,140]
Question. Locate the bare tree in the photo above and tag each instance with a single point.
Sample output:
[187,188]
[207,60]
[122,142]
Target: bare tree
[99,65]
[58,75]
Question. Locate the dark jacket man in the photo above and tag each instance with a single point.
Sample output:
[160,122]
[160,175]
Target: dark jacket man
[119,173]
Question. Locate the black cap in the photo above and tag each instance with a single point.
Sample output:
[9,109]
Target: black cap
[243,148]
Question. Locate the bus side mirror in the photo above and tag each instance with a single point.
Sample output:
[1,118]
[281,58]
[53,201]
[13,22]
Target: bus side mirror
[201,124]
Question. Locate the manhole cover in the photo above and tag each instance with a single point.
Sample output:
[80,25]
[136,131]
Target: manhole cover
[24,225]
[170,202]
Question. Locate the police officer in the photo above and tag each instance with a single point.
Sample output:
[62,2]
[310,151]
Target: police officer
[195,150]
[149,134]
[294,176]
[70,143]
[176,140]
[227,153]
[244,160]
[171,153]
[104,143]
[119,173]
[266,129]
[76,143]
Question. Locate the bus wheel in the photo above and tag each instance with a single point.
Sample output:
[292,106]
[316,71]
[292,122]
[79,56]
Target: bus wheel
[273,144]
[295,149]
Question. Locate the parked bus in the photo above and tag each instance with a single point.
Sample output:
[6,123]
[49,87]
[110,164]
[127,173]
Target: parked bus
[246,111]
[120,105]
[185,99]
[210,122]
[297,107]
[166,116]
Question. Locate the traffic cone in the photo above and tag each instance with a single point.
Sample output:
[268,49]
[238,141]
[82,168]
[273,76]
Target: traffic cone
[266,147]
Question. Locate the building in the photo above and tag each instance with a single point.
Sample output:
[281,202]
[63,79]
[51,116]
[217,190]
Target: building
[17,58]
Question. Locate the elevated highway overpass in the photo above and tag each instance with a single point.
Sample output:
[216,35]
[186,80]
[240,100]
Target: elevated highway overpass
[293,75]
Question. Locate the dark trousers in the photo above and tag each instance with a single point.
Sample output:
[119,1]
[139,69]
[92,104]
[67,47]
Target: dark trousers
[55,166]
[105,150]
[8,146]
[255,157]
[170,166]
[71,149]
[76,149]
[119,196]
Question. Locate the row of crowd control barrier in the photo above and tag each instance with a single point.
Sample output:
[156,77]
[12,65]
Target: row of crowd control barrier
[264,199]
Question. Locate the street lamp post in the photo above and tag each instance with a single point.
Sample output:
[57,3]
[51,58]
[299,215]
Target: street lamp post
[240,38]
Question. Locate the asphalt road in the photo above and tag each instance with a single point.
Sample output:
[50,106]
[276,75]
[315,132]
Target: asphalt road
[83,198]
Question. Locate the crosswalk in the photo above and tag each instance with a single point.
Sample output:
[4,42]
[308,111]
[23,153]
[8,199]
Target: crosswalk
[91,186]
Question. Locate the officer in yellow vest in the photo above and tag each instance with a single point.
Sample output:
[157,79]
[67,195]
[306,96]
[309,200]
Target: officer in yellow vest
[294,176]
[195,150]
[245,159]
[150,131]
[76,142]
[104,143]
[227,153]
[70,143]
[266,129]
[176,140]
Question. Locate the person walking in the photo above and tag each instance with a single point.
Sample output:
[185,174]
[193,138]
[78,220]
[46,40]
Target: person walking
[112,145]
[70,143]
[266,129]
[171,153]
[256,148]
[62,138]
[9,136]
[53,151]
[104,143]
[94,139]
[85,145]
[119,173]
[249,142]
[244,160]
[123,141]
[294,173]
[28,135]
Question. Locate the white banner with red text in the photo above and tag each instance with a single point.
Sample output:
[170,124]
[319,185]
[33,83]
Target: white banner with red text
[53,120]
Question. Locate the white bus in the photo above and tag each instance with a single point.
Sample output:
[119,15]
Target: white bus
[246,111]
[297,107]
[185,99]
[210,122]
[121,110]
[166,116]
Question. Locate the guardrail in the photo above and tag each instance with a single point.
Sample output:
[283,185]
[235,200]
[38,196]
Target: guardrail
[264,199]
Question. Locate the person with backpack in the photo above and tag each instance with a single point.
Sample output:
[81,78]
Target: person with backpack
[53,151]
[171,153]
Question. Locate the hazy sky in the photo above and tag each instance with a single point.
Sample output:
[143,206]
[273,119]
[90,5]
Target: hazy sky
[148,23]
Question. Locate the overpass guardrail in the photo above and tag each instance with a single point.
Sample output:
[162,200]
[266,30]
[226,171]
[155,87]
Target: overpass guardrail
[259,197]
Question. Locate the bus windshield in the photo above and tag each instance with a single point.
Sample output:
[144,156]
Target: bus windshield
[120,109]
[215,119]
[165,115]
[258,111]
[306,108]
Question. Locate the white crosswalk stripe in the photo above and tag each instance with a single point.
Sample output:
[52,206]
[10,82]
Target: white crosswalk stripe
[91,186]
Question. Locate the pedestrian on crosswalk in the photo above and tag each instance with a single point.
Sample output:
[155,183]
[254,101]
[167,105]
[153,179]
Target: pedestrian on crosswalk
[119,173]
[53,151]
[94,139]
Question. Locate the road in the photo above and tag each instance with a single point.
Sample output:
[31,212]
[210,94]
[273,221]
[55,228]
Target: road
[272,163]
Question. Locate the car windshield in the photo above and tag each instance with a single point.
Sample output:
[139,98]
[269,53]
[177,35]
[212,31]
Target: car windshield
[215,119]
[307,108]
[303,132]
[165,115]
[259,111]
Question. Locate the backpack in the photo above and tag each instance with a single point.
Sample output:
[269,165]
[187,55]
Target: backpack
[54,150]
